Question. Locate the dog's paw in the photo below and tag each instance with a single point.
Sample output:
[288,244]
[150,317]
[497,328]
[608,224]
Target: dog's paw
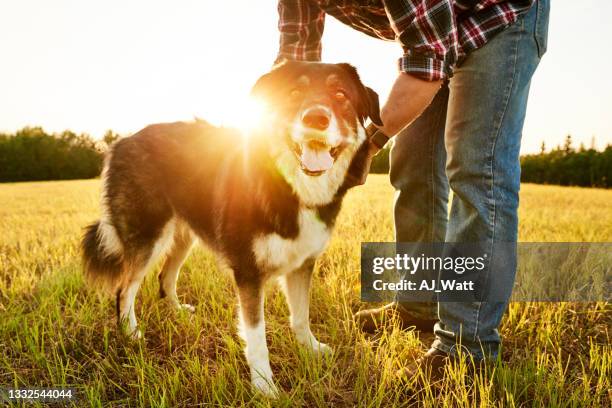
[130,332]
[186,307]
[174,302]
[321,349]
[315,346]
[135,335]
[265,386]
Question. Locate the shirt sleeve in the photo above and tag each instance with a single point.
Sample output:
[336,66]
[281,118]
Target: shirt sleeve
[427,31]
[301,27]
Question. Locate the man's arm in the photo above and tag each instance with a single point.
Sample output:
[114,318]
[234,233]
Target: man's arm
[301,26]
[408,98]
[428,34]
[427,31]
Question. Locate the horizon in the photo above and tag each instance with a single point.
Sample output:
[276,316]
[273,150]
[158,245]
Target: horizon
[89,68]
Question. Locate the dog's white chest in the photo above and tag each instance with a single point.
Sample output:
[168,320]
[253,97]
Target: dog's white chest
[281,255]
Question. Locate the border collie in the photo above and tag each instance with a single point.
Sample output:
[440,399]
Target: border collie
[265,204]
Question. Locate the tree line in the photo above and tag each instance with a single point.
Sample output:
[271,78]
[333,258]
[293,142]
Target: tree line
[563,165]
[568,166]
[32,154]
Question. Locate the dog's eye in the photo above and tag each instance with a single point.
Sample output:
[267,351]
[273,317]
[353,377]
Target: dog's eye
[340,95]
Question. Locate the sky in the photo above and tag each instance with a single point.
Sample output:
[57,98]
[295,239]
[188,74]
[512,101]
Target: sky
[91,65]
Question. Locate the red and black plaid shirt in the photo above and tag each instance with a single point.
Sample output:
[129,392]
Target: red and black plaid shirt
[435,34]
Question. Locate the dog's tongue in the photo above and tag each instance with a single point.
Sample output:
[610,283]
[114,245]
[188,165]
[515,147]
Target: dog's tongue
[316,159]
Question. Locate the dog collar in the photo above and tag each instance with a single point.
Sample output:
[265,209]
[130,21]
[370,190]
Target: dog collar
[376,136]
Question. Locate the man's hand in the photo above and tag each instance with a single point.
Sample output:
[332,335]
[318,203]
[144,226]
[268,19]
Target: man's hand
[408,98]
[372,150]
[359,168]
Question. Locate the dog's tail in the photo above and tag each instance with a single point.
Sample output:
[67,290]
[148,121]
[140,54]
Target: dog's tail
[102,256]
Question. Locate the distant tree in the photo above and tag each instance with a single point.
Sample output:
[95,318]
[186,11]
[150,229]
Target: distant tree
[32,154]
[567,146]
[110,137]
[380,162]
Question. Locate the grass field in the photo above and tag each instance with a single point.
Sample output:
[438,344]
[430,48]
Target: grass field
[53,332]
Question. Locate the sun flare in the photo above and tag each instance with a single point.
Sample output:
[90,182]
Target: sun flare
[246,114]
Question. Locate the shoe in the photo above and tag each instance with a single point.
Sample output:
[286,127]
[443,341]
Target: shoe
[371,320]
[431,365]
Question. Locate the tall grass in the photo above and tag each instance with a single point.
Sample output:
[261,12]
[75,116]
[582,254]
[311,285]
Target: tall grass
[53,332]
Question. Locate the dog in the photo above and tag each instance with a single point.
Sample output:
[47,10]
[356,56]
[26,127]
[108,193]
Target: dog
[265,204]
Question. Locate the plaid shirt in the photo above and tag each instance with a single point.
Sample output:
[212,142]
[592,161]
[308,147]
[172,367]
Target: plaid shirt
[435,34]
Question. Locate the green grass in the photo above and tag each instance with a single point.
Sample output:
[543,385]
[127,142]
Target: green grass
[54,332]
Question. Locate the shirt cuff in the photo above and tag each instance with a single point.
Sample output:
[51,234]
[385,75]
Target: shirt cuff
[299,55]
[427,68]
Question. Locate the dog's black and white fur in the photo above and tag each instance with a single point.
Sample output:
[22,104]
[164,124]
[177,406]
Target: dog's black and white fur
[265,204]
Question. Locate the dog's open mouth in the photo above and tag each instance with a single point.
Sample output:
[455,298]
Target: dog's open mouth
[316,157]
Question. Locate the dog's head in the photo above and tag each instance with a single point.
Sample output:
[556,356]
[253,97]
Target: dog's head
[315,122]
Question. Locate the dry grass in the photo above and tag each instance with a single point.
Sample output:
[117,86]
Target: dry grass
[52,332]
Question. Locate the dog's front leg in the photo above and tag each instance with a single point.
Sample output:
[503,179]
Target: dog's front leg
[253,331]
[296,286]
[183,241]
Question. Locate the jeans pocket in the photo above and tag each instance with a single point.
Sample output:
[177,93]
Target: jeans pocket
[541,25]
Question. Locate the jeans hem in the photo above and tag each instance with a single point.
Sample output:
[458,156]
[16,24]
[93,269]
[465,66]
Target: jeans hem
[477,353]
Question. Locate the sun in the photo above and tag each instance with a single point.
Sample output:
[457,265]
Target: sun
[247,114]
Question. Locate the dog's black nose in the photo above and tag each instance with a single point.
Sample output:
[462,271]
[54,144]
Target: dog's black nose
[316,118]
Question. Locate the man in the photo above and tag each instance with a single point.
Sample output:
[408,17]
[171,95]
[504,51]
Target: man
[462,90]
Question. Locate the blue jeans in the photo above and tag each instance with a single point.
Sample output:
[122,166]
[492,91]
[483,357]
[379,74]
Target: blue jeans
[468,141]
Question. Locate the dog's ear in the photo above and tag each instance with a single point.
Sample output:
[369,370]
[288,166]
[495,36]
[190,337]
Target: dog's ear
[373,106]
[267,83]
[262,87]
[368,103]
